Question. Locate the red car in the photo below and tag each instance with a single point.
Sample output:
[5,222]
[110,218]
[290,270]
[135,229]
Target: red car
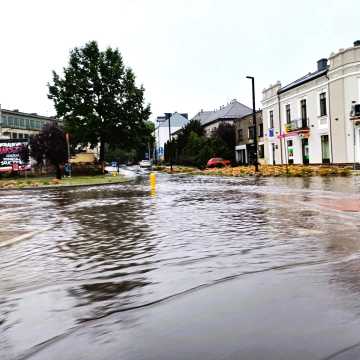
[217,162]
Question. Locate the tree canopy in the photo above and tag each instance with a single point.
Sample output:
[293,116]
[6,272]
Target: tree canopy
[193,147]
[50,144]
[98,100]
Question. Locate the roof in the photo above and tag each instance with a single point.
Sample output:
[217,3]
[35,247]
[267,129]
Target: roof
[233,110]
[176,120]
[303,80]
[34,115]
[202,116]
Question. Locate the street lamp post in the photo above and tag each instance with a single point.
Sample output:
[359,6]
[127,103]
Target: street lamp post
[168,116]
[254,122]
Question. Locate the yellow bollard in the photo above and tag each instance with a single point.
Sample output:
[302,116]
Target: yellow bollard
[152,184]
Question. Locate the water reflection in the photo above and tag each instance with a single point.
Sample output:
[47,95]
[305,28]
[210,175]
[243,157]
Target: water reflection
[127,246]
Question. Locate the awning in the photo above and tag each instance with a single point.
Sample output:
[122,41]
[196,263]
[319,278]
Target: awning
[301,133]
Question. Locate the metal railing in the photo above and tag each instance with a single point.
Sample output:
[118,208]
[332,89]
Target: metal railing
[297,124]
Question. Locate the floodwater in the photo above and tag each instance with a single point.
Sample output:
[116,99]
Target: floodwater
[195,268]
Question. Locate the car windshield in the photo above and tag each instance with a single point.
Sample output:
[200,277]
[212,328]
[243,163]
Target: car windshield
[217,159]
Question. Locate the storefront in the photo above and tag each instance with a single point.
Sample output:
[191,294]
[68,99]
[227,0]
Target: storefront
[297,149]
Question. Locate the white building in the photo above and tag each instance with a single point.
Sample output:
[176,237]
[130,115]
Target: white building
[177,121]
[308,120]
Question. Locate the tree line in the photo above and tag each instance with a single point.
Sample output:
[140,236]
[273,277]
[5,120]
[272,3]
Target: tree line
[192,147]
[99,105]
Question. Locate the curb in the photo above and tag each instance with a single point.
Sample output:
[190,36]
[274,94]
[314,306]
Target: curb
[57,187]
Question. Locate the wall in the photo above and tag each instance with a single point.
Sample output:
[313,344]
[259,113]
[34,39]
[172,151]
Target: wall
[344,86]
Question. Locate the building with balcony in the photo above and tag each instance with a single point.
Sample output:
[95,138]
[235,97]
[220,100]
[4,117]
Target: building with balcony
[244,139]
[19,125]
[309,120]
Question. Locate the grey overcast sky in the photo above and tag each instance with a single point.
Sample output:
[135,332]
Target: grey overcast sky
[188,54]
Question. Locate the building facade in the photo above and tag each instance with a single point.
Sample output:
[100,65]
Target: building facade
[308,121]
[244,135]
[18,125]
[162,136]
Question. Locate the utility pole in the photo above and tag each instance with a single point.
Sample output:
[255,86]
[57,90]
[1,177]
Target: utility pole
[168,116]
[254,122]
[68,153]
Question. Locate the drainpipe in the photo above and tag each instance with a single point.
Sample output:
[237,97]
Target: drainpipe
[330,127]
[281,148]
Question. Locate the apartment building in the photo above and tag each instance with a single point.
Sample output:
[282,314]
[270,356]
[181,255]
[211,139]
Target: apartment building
[15,124]
[244,135]
[309,120]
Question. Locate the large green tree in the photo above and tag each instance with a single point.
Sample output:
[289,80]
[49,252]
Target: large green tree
[98,100]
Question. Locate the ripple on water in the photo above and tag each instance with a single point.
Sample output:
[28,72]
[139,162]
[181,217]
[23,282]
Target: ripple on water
[113,248]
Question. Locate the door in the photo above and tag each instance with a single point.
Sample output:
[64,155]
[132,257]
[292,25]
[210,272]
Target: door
[273,153]
[325,149]
[305,150]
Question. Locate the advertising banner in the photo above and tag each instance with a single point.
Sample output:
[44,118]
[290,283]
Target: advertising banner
[9,155]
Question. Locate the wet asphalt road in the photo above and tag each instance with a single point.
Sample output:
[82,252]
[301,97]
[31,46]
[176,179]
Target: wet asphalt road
[200,268]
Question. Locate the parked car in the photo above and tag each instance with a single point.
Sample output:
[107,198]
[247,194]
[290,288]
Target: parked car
[218,162]
[145,164]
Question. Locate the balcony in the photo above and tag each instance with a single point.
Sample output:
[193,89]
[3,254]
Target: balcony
[355,114]
[297,125]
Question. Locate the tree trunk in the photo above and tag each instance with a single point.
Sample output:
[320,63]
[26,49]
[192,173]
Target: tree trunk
[102,156]
[58,171]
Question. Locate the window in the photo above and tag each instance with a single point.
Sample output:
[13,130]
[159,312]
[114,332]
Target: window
[21,136]
[14,135]
[271,118]
[240,134]
[323,111]
[290,151]
[251,132]
[261,151]
[288,114]
[261,130]
[303,110]
[325,149]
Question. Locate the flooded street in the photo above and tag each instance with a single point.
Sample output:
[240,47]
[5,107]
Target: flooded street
[198,268]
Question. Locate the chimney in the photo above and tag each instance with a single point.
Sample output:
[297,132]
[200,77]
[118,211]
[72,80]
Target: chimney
[322,64]
[357,43]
